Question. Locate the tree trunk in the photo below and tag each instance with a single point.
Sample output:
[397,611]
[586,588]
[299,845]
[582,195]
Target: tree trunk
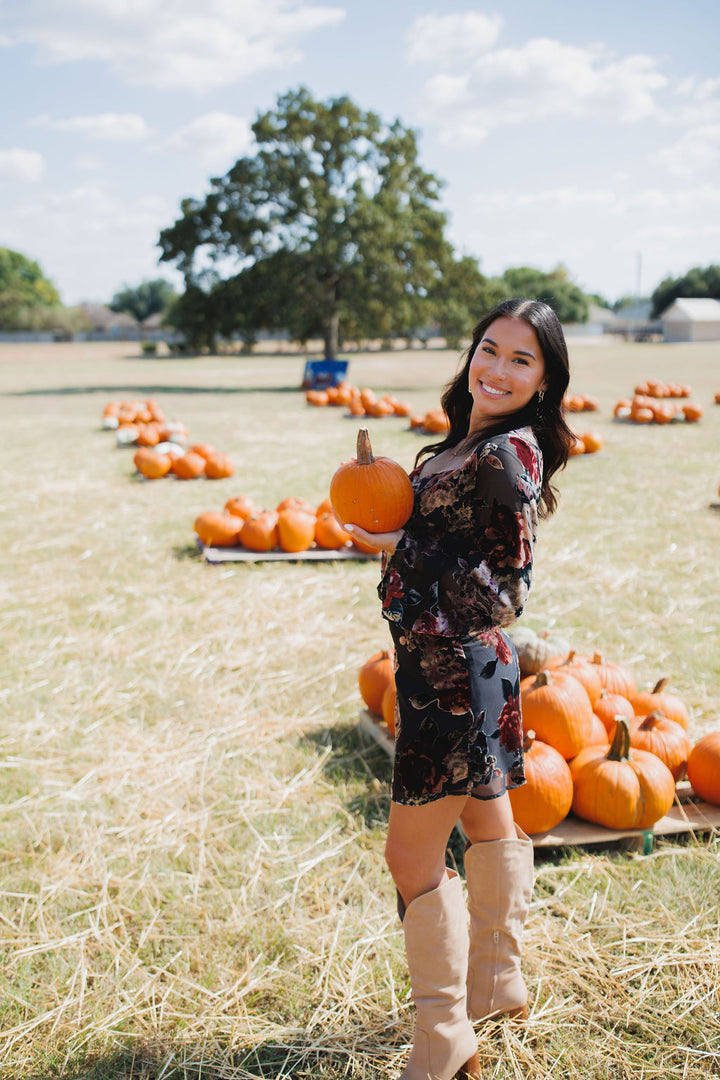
[330,335]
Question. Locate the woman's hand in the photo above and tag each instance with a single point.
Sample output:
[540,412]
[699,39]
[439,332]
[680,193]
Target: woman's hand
[378,541]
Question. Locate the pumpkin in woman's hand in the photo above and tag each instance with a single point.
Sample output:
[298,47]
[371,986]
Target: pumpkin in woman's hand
[544,800]
[703,767]
[372,492]
[659,699]
[152,465]
[664,738]
[296,529]
[373,678]
[621,788]
[557,708]
[217,530]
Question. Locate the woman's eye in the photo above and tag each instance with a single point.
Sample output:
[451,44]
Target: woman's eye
[521,360]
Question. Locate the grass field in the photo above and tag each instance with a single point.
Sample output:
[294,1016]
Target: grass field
[191,827]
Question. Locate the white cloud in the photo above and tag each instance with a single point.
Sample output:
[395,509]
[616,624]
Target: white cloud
[696,151]
[113,127]
[543,78]
[174,44]
[21,165]
[452,40]
[217,139]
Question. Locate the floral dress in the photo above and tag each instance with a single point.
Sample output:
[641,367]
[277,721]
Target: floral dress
[460,573]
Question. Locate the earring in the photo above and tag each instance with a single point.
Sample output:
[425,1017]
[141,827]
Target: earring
[541,395]
[538,407]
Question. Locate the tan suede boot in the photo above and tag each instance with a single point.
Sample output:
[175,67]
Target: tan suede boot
[499,876]
[436,942]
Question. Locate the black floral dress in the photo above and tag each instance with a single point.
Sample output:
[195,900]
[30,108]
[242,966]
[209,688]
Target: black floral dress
[460,573]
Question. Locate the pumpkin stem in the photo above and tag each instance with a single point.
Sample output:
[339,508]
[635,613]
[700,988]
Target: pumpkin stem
[365,455]
[597,658]
[542,678]
[652,718]
[659,686]
[620,748]
[528,740]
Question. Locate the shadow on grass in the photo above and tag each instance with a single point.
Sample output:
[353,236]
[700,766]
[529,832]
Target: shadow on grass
[150,391]
[189,551]
[295,1058]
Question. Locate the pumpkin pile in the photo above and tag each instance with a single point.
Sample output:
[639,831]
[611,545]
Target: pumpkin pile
[655,388]
[359,402]
[649,409]
[142,423]
[594,744]
[293,526]
[587,443]
[581,403]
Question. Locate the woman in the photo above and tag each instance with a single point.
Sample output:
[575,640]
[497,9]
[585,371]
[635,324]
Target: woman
[457,574]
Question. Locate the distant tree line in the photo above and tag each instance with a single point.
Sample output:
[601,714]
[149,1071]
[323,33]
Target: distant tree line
[698,282]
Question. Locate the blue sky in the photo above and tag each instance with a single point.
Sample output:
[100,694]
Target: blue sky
[564,132]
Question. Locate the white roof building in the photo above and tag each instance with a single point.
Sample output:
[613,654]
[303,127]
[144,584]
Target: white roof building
[692,319]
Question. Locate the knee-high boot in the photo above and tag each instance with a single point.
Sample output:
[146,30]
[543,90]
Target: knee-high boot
[499,876]
[436,942]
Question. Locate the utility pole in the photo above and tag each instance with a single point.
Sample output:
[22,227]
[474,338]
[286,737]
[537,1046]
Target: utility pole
[638,279]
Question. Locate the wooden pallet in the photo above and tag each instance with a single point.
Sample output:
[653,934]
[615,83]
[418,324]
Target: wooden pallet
[316,554]
[689,814]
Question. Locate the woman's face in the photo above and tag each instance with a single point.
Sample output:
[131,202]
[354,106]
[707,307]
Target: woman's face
[506,370]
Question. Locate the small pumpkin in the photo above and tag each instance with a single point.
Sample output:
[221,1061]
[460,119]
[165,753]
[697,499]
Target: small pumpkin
[219,466]
[373,677]
[295,502]
[592,441]
[664,738]
[325,507]
[188,466]
[150,464]
[576,447]
[583,670]
[217,530]
[621,788]
[296,529]
[614,677]
[387,707]
[241,506]
[703,767]
[260,531]
[669,705]
[374,493]
[329,534]
[609,706]
[535,651]
[692,411]
[205,450]
[544,800]
[148,434]
[557,708]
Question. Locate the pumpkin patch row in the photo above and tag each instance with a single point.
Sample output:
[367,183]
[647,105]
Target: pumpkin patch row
[580,403]
[169,459]
[655,388]
[645,409]
[293,526]
[594,744]
[359,402]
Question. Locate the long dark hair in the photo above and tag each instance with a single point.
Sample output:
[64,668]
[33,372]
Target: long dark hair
[545,417]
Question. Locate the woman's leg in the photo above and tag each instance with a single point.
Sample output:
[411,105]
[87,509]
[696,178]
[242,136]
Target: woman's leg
[434,923]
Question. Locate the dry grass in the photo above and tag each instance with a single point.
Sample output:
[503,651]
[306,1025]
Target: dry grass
[191,828]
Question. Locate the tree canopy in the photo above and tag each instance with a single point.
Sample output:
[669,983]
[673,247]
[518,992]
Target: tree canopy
[567,300]
[331,226]
[697,282]
[24,291]
[143,300]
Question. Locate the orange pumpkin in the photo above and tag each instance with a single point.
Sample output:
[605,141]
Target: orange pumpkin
[436,422]
[692,411]
[557,708]
[241,506]
[217,530]
[260,531]
[577,446]
[205,450]
[316,397]
[621,788]
[219,466]
[669,705]
[188,466]
[388,706]
[373,678]
[614,677]
[609,707]
[664,738]
[592,441]
[295,502]
[148,435]
[544,799]
[703,767]
[150,464]
[296,529]
[374,493]
[325,507]
[581,668]
[329,534]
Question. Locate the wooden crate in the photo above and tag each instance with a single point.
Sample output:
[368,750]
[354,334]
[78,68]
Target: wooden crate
[315,554]
[689,814]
